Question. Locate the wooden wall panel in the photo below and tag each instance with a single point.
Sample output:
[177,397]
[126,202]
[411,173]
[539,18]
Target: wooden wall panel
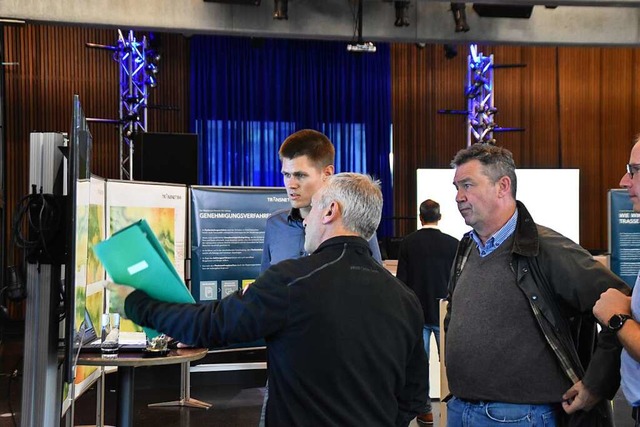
[616,118]
[580,76]
[508,96]
[540,108]
[579,107]
[422,137]
[169,101]
[54,65]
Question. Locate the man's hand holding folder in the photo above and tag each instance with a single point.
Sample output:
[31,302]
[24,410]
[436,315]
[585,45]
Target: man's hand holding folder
[134,257]
[117,295]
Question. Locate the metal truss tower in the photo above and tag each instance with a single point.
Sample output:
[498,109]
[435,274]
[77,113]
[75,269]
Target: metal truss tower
[138,62]
[479,93]
[134,94]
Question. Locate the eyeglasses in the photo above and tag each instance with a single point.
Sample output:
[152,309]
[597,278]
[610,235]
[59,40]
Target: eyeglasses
[633,168]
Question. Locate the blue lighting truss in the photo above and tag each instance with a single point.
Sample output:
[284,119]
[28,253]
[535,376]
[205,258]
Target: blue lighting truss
[138,61]
[479,94]
[134,94]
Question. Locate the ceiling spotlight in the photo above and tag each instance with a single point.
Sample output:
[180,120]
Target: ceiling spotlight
[402,8]
[460,17]
[280,9]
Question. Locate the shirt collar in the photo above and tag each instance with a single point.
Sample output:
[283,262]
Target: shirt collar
[294,215]
[497,238]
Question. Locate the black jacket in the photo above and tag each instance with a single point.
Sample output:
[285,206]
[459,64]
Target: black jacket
[562,283]
[424,265]
[344,337]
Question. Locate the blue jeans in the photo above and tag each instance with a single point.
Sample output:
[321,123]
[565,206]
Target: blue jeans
[461,413]
[426,336]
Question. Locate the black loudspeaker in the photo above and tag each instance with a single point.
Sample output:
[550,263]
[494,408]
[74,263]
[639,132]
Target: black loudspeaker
[503,11]
[166,157]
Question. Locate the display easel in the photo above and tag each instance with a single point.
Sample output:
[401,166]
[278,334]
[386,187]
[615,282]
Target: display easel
[99,403]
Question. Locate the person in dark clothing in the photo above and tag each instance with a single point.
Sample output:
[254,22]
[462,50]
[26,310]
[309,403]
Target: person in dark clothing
[307,158]
[344,336]
[424,265]
[515,288]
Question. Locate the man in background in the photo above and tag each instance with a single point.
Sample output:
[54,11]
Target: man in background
[619,312]
[515,287]
[424,265]
[344,337]
[307,158]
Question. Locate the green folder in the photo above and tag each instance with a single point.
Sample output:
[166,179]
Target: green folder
[134,257]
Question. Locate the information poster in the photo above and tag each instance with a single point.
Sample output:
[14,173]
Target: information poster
[94,275]
[227,234]
[624,236]
[164,206]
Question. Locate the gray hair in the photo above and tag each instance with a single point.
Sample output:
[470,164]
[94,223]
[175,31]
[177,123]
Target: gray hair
[497,162]
[359,198]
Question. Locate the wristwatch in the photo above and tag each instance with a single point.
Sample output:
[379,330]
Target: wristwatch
[617,320]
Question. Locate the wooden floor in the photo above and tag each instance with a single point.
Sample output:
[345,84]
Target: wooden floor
[236,396]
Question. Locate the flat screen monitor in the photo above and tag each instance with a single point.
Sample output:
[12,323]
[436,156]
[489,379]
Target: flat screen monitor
[78,198]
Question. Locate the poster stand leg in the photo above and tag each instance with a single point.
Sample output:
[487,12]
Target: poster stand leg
[185,393]
[99,400]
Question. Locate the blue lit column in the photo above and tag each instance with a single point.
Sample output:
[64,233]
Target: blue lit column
[479,93]
[134,94]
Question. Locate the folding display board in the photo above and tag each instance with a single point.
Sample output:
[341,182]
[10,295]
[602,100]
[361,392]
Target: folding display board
[164,206]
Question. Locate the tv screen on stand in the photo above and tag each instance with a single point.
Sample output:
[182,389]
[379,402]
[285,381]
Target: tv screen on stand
[78,199]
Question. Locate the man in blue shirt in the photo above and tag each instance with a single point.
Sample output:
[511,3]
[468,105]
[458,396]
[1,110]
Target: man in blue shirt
[621,313]
[307,160]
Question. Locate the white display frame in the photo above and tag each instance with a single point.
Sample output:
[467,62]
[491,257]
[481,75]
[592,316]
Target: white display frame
[552,196]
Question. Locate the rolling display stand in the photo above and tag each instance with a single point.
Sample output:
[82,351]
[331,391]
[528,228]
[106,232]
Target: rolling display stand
[41,391]
[185,392]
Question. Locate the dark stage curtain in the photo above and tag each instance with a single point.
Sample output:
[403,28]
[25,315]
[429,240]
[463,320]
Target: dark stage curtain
[248,95]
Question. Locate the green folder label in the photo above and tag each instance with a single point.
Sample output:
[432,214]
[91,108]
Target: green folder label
[138,267]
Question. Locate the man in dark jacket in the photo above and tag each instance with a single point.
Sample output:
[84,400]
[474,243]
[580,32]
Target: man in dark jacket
[514,289]
[344,337]
[424,265]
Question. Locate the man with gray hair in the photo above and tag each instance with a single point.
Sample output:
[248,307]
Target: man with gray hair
[516,287]
[344,337]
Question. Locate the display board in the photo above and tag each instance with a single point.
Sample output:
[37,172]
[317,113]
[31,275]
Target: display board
[552,196]
[91,296]
[624,236]
[227,235]
[164,206]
